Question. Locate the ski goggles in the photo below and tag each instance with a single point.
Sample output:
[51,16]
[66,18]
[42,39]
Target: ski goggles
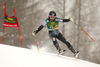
[52,17]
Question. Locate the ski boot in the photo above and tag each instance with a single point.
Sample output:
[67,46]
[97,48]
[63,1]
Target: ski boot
[76,54]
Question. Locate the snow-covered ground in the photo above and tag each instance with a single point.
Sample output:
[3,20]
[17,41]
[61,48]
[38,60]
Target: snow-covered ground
[20,57]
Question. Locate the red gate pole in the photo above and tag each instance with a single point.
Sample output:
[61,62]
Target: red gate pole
[20,36]
[18,26]
[3,26]
[5,8]
[3,35]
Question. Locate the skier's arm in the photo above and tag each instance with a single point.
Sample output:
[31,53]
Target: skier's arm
[68,19]
[64,20]
[39,28]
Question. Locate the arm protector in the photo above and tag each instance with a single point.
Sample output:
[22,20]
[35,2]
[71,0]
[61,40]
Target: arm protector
[66,20]
[40,28]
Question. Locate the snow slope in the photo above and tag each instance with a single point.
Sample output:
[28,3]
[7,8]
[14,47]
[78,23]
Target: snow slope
[20,57]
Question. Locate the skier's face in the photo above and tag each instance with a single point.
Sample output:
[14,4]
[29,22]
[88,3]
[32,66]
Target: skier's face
[52,18]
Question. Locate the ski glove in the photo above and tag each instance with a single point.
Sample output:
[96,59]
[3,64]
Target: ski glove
[33,33]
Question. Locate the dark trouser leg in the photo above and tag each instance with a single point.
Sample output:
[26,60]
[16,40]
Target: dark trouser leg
[71,47]
[56,44]
[61,38]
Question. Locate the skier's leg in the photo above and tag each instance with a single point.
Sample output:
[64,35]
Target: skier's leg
[61,38]
[52,35]
[56,44]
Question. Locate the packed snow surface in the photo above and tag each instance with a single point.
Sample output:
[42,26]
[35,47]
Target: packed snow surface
[11,56]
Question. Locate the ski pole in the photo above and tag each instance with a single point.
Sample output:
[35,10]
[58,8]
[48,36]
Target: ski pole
[33,33]
[36,43]
[83,31]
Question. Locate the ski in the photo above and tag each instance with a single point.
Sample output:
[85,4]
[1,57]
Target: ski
[61,53]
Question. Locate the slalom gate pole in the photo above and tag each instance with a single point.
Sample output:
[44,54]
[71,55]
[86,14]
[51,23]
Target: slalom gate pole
[3,35]
[3,26]
[84,32]
[20,37]
[36,43]
[18,27]
[4,7]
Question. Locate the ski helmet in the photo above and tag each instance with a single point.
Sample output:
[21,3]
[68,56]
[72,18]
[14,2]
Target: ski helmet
[52,13]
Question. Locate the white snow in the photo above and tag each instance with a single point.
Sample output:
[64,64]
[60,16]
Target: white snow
[20,57]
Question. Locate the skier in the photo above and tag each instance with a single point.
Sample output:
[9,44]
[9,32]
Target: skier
[52,25]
